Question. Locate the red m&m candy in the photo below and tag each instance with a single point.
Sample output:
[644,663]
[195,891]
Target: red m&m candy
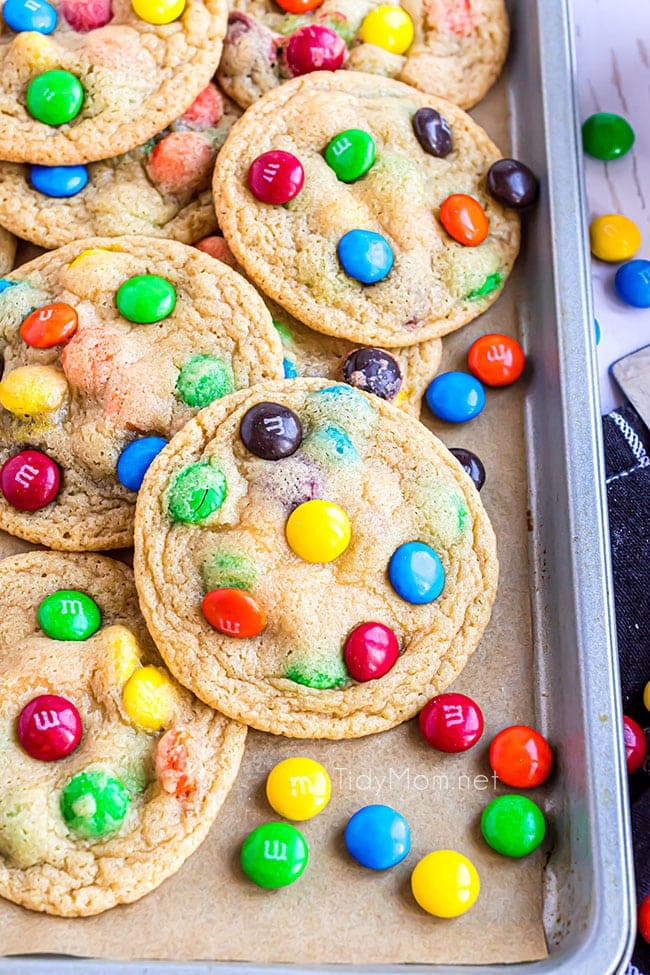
[496,359]
[314,48]
[298,6]
[451,722]
[49,727]
[644,919]
[29,480]
[370,651]
[276,177]
[464,219]
[521,757]
[49,326]
[635,744]
[233,612]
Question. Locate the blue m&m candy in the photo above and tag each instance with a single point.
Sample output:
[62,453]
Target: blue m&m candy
[365,256]
[5,285]
[632,283]
[290,369]
[378,837]
[58,181]
[416,573]
[455,397]
[597,330]
[36,15]
[135,459]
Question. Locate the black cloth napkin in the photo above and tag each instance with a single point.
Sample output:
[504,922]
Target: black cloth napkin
[627,463]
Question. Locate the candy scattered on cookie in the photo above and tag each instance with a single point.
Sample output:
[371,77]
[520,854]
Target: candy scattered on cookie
[110,769]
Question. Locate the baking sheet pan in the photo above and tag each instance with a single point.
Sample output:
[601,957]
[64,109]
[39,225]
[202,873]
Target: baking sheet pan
[567,684]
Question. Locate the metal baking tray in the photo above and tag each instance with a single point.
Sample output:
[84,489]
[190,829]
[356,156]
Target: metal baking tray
[588,890]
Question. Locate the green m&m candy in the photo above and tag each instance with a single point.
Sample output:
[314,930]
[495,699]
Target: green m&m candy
[274,855]
[145,299]
[513,825]
[202,379]
[94,804]
[197,492]
[54,97]
[69,615]
[350,154]
[607,136]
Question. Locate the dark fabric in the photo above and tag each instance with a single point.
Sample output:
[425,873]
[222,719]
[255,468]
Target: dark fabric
[627,460]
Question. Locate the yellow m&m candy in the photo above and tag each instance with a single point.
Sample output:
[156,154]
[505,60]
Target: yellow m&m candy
[614,237]
[445,883]
[123,649]
[298,788]
[30,390]
[158,11]
[388,27]
[148,698]
[646,695]
[318,531]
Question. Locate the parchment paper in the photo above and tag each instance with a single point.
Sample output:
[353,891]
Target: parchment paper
[339,912]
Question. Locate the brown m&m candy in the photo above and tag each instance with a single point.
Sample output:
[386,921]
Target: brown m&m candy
[271,431]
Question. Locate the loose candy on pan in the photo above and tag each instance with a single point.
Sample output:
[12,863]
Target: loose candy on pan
[607,136]
[513,825]
[451,722]
[298,788]
[614,238]
[496,359]
[455,397]
[274,855]
[54,97]
[445,883]
[49,727]
[59,182]
[521,757]
[471,464]
[29,480]
[632,283]
[378,837]
[512,184]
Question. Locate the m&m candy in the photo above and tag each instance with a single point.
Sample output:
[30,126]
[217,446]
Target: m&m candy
[298,788]
[275,177]
[145,299]
[646,696]
[233,612]
[204,378]
[29,480]
[94,804]
[632,283]
[445,883]
[34,15]
[614,238]
[54,97]
[451,722]
[365,256]
[298,6]
[197,492]
[378,837]
[49,325]
[374,371]
[350,154]
[512,184]
[513,825]
[370,651]
[416,573]
[271,431]
[49,727]
[455,397]
[313,47]
[58,181]
[388,27]
[68,614]
[274,855]
[520,757]
[158,11]
[148,698]
[88,15]
[432,132]
[635,744]
[318,531]
[644,919]
[471,464]
[464,219]
[607,136]
[32,390]
[496,359]
[135,460]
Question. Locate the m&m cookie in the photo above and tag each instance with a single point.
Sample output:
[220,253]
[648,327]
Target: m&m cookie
[160,189]
[110,345]
[338,566]
[81,81]
[7,251]
[111,774]
[360,205]
[452,48]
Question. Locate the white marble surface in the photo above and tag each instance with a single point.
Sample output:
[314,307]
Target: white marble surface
[613,61]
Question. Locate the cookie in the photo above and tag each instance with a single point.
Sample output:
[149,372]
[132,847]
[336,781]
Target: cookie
[375,177]
[110,345]
[91,79]
[160,189]
[337,565]
[454,49]
[111,773]
[7,250]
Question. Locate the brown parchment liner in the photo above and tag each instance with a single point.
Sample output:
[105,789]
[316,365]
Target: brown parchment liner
[338,912]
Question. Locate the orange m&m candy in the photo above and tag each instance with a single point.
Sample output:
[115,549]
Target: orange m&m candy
[233,612]
[48,326]
[521,757]
[496,359]
[298,6]
[464,219]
